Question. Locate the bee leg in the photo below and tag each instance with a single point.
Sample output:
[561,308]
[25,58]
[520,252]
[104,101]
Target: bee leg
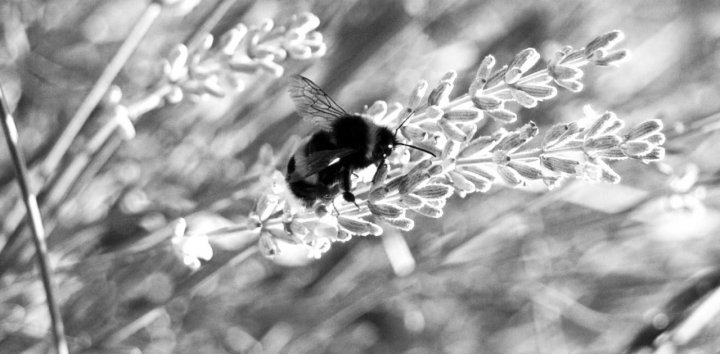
[379,168]
[337,213]
[347,195]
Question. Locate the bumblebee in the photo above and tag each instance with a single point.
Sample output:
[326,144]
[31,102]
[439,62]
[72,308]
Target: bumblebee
[323,164]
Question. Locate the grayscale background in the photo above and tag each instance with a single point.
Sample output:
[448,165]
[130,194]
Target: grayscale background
[579,269]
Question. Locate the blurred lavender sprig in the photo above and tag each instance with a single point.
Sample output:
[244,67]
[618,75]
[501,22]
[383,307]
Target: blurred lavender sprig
[216,69]
[410,183]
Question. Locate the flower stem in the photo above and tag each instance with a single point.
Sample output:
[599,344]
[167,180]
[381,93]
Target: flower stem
[35,221]
[61,146]
[141,27]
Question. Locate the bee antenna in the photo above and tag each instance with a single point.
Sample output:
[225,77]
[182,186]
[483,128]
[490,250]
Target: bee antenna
[417,148]
[412,112]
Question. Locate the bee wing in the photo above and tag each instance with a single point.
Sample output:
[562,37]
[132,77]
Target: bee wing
[318,161]
[313,104]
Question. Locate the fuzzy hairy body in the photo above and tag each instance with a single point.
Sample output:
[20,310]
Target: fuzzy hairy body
[359,143]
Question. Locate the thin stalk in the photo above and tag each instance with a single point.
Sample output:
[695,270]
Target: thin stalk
[68,177]
[58,151]
[35,221]
[141,27]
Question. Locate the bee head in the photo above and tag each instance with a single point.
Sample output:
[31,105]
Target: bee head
[384,145]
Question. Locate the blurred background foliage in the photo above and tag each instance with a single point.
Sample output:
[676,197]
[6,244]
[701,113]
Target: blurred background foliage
[573,270]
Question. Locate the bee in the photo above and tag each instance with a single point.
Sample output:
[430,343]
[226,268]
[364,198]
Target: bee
[344,143]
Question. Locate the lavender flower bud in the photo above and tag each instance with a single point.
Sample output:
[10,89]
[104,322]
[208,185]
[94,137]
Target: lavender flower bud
[604,42]
[657,139]
[343,236]
[523,98]
[420,166]
[402,223]
[451,130]
[385,210]
[615,153]
[509,175]
[450,151]
[607,174]
[574,55]
[377,110]
[657,154]
[433,191]
[562,72]
[522,62]
[636,149]
[124,123]
[612,58]
[359,226]
[600,123]
[417,94]
[518,138]
[481,184]
[496,77]
[410,201]
[380,174]
[469,129]
[412,182]
[463,115]
[552,137]
[392,114]
[430,211]
[461,183]
[613,127]
[602,142]
[502,115]
[645,129]
[266,206]
[435,170]
[378,193]
[525,170]
[486,102]
[305,22]
[539,92]
[559,164]
[571,85]
[175,67]
[482,75]
[231,39]
[267,245]
[440,96]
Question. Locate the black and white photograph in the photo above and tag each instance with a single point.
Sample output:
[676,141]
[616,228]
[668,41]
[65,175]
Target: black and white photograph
[360,176]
